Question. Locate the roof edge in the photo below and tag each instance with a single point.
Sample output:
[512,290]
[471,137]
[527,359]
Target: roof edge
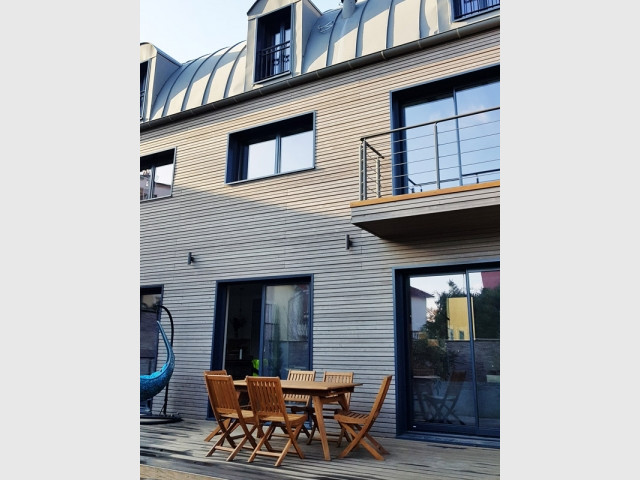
[358,62]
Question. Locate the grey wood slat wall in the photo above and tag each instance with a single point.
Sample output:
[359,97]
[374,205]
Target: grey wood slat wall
[295,224]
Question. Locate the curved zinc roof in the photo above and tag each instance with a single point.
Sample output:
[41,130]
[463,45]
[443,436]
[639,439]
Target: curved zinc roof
[375,25]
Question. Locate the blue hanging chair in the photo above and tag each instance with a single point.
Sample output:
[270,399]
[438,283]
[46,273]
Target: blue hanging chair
[151,385]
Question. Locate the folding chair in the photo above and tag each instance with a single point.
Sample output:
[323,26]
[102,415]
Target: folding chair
[443,406]
[335,377]
[297,403]
[267,403]
[358,425]
[216,430]
[226,408]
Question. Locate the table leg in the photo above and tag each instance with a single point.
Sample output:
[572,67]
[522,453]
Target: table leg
[317,405]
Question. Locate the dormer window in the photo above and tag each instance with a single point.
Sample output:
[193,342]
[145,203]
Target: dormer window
[273,44]
[462,8]
[144,75]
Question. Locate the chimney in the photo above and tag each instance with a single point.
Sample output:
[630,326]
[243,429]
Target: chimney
[348,7]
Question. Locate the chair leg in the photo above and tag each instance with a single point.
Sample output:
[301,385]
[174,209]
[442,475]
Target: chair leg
[226,435]
[262,442]
[248,437]
[216,431]
[358,438]
[292,441]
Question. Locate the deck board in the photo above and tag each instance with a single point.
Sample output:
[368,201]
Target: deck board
[176,451]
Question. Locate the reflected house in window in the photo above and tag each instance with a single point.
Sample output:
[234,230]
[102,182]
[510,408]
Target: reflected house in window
[419,312]
[156,174]
[377,121]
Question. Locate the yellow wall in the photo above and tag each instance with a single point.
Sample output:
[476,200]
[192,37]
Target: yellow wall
[458,317]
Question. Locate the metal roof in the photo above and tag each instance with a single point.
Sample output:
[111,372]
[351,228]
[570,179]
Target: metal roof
[374,26]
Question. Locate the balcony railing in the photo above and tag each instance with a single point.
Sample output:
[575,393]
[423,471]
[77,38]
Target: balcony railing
[273,60]
[455,151]
[462,8]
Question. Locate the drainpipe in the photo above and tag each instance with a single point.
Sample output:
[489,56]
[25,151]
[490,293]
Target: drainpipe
[348,7]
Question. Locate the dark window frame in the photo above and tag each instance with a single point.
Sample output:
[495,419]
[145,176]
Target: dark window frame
[429,91]
[273,59]
[144,84]
[466,8]
[151,162]
[462,435]
[238,146]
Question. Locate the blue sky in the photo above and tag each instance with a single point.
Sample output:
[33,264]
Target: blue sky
[187,29]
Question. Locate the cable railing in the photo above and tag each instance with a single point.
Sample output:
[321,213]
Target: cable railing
[454,151]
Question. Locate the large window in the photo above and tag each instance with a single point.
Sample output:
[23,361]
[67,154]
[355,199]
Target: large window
[462,8]
[265,327]
[451,338]
[273,44]
[279,147]
[156,174]
[453,133]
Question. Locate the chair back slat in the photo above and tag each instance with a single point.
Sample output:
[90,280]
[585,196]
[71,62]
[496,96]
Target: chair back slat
[266,396]
[222,395]
[378,402]
[303,376]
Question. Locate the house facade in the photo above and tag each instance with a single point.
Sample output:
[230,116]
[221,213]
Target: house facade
[325,194]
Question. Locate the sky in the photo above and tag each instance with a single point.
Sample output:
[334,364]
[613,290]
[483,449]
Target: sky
[188,29]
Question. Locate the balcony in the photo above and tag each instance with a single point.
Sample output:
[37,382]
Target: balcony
[431,178]
[462,8]
[273,60]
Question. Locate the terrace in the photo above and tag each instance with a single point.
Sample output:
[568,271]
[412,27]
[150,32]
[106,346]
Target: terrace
[177,451]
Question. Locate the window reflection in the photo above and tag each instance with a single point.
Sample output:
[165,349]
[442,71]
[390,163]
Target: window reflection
[297,152]
[262,158]
[454,349]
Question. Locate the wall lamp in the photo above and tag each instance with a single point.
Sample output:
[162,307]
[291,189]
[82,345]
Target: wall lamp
[349,242]
[190,259]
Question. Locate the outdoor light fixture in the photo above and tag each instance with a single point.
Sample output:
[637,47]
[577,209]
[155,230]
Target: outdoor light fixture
[190,259]
[348,242]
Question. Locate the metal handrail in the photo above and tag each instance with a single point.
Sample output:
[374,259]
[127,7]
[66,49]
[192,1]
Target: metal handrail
[274,59]
[398,181]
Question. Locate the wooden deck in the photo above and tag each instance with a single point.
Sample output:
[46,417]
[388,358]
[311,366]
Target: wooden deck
[176,451]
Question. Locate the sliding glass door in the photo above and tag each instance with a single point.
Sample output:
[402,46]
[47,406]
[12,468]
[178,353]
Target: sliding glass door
[452,365]
[266,328]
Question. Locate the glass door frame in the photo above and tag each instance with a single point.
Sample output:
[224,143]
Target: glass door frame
[402,309]
[220,313]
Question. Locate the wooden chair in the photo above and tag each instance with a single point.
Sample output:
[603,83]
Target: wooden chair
[300,403]
[267,403]
[328,413]
[216,430]
[358,425]
[443,406]
[226,408]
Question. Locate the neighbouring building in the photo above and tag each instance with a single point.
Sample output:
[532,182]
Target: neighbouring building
[325,194]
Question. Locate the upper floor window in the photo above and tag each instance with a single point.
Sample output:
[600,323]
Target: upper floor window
[144,75]
[156,174]
[450,133]
[280,147]
[467,7]
[273,44]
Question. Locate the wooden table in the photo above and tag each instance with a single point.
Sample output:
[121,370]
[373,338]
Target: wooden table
[321,393]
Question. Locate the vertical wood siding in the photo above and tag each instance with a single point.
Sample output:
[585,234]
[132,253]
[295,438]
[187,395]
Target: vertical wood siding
[295,224]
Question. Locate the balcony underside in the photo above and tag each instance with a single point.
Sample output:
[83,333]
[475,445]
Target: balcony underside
[420,215]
